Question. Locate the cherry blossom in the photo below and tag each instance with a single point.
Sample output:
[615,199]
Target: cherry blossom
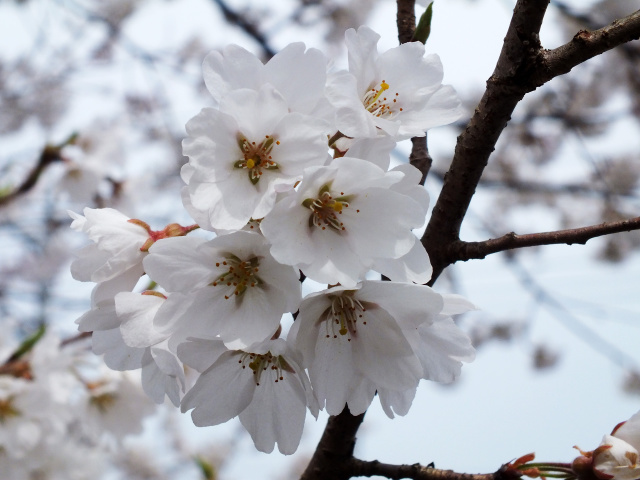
[341,219]
[115,405]
[229,287]
[397,93]
[243,153]
[264,385]
[618,455]
[357,341]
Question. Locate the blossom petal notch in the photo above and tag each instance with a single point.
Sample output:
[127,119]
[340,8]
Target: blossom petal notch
[397,93]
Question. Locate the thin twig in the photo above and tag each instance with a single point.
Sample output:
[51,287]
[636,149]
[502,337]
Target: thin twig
[248,27]
[475,250]
[420,472]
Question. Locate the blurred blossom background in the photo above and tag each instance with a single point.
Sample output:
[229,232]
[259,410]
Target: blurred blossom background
[94,96]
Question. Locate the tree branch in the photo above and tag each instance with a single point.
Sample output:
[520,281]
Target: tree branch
[522,67]
[406,20]
[475,250]
[49,155]
[419,472]
[248,27]
[586,45]
[505,89]
[334,453]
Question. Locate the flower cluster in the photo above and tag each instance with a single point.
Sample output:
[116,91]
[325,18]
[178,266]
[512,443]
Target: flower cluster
[59,416]
[290,172]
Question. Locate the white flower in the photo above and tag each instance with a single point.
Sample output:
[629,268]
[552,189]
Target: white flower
[116,404]
[229,287]
[241,155]
[264,385]
[617,456]
[95,156]
[117,245]
[357,341]
[341,219]
[31,413]
[298,75]
[397,93]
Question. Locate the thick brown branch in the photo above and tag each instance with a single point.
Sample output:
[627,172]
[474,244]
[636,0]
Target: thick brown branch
[506,87]
[406,20]
[470,250]
[522,67]
[419,472]
[331,460]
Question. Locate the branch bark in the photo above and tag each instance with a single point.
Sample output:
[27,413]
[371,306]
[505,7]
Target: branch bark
[523,66]
[419,472]
[476,250]
[333,455]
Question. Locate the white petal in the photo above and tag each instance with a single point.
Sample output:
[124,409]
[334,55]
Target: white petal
[136,313]
[221,392]
[117,355]
[444,347]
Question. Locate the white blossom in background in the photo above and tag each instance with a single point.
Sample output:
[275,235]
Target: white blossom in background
[90,161]
[243,153]
[340,219]
[397,93]
[229,287]
[69,459]
[34,406]
[264,385]
[116,405]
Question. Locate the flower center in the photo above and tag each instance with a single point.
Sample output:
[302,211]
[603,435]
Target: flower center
[7,410]
[103,401]
[376,102]
[325,209]
[257,157]
[272,364]
[343,315]
[241,275]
